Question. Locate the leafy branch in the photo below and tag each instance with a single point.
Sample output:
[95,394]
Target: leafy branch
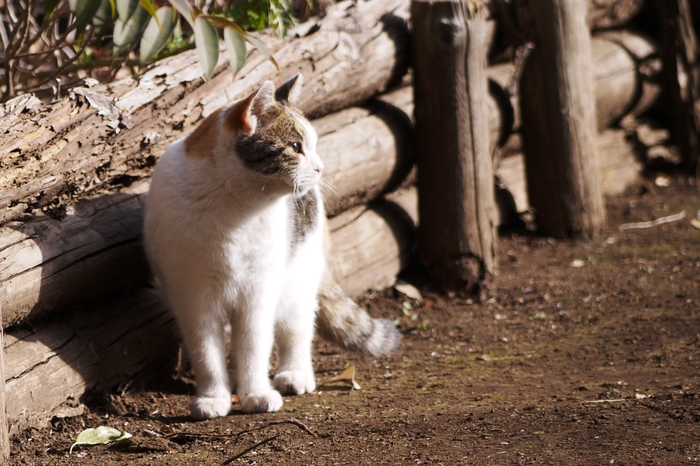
[47,45]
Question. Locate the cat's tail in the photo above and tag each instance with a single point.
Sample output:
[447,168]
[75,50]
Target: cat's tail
[342,321]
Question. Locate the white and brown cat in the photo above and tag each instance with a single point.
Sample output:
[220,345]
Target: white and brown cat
[235,233]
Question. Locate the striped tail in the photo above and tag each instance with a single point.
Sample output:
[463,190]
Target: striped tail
[342,321]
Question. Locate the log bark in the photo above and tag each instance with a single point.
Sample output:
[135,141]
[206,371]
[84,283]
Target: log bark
[682,76]
[559,126]
[367,151]
[50,367]
[112,134]
[455,178]
[372,244]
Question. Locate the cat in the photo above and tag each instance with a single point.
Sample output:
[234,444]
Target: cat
[235,232]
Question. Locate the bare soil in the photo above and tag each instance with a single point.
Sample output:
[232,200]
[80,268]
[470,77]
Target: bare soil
[585,352]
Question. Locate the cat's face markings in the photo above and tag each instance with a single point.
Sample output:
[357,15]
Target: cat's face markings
[281,139]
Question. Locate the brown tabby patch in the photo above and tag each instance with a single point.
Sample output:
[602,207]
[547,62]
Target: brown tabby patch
[269,150]
[203,140]
[303,213]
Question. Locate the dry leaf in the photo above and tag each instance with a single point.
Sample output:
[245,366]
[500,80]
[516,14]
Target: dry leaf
[99,435]
[408,290]
[347,377]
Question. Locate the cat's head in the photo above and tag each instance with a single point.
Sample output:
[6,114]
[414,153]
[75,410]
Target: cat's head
[273,138]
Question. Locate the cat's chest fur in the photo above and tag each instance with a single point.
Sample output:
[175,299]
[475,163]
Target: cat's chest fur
[234,240]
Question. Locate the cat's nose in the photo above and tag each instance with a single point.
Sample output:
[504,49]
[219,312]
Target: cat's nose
[319,167]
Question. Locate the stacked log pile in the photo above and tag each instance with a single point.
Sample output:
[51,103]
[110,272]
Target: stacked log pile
[73,176]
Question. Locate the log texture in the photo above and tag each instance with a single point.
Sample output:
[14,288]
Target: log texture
[559,126]
[367,151]
[112,134]
[455,178]
[49,368]
[609,14]
[372,244]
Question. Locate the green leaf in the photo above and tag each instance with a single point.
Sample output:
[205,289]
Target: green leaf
[154,37]
[257,43]
[185,9]
[98,436]
[84,10]
[125,33]
[126,9]
[148,6]
[237,50]
[207,43]
[103,15]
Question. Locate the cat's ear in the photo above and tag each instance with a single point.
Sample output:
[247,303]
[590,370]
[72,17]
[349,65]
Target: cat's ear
[291,90]
[247,114]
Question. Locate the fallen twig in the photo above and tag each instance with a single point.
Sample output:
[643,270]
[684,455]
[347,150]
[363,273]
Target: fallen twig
[296,422]
[616,400]
[249,449]
[653,223]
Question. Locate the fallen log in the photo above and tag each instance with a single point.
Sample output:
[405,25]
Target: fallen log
[367,151]
[372,244]
[626,74]
[109,135]
[50,366]
[95,249]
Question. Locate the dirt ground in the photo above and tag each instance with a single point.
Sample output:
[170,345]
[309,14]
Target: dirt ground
[586,352]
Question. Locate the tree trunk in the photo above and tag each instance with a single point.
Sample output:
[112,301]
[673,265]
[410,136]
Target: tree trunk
[620,168]
[109,135]
[682,76]
[372,244]
[455,178]
[559,122]
[367,151]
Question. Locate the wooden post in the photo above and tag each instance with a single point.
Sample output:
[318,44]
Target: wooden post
[680,56]
[456,235]
[559,122]
[4,433]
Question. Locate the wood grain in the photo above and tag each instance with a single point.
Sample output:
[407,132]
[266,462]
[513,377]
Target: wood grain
[455,176]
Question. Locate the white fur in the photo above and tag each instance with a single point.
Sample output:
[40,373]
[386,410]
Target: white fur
[217,236]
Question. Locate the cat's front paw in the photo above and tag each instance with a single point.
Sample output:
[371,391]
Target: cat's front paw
[204,407]
[262,402]
[294,382]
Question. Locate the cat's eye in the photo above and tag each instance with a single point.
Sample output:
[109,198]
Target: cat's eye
[296,147]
